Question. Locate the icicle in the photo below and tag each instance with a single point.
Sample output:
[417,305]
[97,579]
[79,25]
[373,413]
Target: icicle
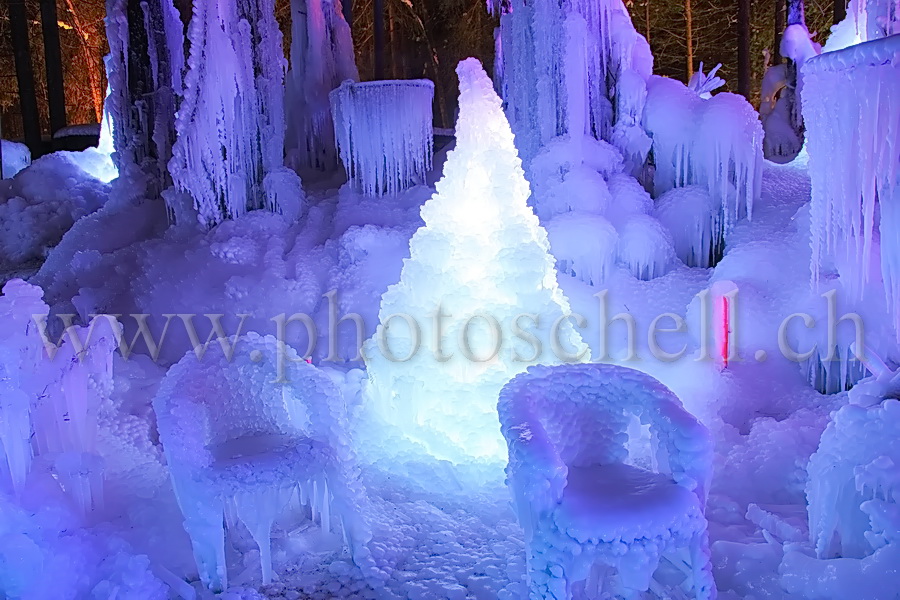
[326,507]
[851,107]
[384,133]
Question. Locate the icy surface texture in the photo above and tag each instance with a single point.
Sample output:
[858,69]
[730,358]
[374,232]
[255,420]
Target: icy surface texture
[596,214]
[574,68]
[481,252]
[321,58]
[41,203]
[229,155]
[16,157]
[715,143]
[854,477]
[581,496]
[384,133]
[53,394]
[850,105]
[693,217]
[141,100]
[243,435]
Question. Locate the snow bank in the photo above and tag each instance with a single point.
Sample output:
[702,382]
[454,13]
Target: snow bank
[16,157]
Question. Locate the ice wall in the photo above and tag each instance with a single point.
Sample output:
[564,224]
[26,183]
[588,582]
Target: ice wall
[481,256]
[229,156]
[851,105]
[321,58]
[384,133]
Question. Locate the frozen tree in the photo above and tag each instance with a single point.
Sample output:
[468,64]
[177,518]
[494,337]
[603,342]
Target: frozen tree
[321,58]
[588,49]
[144,68]
[229,155]
[384,133]
[481,259]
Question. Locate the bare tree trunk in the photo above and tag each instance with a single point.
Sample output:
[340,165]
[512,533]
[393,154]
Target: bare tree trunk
[92,62]
[743,49]
[31,124]
[56,94]
[840,11]
[378,26]
[689,37]
[347,7]
[779,29]
[647,18]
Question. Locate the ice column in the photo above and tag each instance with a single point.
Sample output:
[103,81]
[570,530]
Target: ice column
[321,58]
[384,133]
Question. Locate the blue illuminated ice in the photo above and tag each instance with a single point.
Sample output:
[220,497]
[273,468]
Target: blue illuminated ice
[243,434]
[481,255]
[587,497]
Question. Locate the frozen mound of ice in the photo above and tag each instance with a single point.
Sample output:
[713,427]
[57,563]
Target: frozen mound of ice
[41,203]
[854,476]
[384,133]
[321,58]
[585,246]
[854,165]
[229,153]
[16,157]
[628,198]
[579,494]
[243,434]
[645,247]
[482,259]
[715,143]
[693,218]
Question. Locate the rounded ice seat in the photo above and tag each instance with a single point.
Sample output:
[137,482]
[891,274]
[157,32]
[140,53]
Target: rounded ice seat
[608,502]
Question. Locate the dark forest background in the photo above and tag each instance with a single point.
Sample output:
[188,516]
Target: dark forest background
[423,38]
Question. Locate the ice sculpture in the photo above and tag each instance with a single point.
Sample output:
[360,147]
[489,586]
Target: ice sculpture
[321,58]
[715,143]
[574,68]
[584,245]
[229,155]
[850,106]
[854,476]
[144,68]
[578,493]
[245,433]
[481,257]
[384,133]
[21,351]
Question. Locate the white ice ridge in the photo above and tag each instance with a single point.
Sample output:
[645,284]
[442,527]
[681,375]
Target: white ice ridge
[851,105]
[321,58]
[384,133]
[481,252]
[229,156]
[715,143]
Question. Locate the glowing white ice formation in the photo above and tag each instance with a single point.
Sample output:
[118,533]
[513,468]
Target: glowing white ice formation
[481,258]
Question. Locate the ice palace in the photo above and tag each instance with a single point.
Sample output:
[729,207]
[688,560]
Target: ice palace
[265,342]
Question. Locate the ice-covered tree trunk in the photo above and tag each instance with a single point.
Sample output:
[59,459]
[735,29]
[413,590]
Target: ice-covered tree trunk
[481,259]
[229,153]
[536,47]
[321,59]
[144,68]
